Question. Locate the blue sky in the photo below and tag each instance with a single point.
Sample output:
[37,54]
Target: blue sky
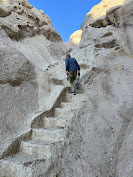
[66,16]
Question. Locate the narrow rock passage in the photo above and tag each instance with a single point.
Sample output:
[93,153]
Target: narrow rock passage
[35,156]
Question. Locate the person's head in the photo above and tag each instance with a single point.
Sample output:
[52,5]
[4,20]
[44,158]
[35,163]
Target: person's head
[68,56]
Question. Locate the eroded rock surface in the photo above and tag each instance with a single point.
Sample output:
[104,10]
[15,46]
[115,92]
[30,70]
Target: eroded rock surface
[21,20]
[101,144]
[19,91]
[29,45]
[99,137]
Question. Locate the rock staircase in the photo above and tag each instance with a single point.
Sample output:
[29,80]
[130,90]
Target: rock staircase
[35,155]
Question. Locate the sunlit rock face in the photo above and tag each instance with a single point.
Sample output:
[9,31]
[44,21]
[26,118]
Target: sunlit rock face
[76,37]
[3,1]
[22,20]
[101,9]
[100,139]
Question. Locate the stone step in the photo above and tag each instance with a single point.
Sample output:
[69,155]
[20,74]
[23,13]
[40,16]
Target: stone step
[38,149]
[50,134]
[74,98]
[56,122]
[23,166]
[61,112]
[69,105]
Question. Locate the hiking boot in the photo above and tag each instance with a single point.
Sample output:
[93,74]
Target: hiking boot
[74,93]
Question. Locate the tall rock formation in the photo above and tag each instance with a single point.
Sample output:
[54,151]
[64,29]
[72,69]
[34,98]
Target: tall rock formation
[76,37]
[103,141]
[99,138]
[28,46]
[21,20]
[96,12]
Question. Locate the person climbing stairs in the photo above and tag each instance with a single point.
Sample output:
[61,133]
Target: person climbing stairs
[34,155]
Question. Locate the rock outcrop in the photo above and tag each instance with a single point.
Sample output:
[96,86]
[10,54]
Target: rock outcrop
[103,139]
[46,132]
[101,9]
[29,45]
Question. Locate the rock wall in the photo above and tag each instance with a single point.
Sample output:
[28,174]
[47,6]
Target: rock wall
[101,9]
[29,46]
[21,20]
[97,11]
[31,78]
[101,142]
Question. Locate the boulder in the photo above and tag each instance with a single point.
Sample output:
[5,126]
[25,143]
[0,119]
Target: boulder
[19,92]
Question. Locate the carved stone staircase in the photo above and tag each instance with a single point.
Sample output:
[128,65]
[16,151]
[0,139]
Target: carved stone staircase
[35,155]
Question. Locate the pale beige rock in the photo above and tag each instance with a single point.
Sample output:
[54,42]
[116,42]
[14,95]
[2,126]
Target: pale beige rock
[36,156]
[101,9]
[21,20]
[89,134]
[76,37]
[3,1]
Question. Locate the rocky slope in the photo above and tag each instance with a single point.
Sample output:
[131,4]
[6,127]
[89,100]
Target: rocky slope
[102,145]
[21,20]
[34,97]
[76,37]
[29,45]
[101,9]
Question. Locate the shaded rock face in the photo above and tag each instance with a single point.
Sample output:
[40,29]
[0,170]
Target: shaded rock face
[21,20]
[100,139]
[76,37]
[70,46]
[29,45]
[19,91]
[110,32]
[101,144]
[97,11]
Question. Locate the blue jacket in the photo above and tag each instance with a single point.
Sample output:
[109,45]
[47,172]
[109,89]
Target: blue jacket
[71,64]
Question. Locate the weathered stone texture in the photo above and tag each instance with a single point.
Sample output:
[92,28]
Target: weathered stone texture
[19,90]
[101,145]
[88,135]
[27,49]
[20,20]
